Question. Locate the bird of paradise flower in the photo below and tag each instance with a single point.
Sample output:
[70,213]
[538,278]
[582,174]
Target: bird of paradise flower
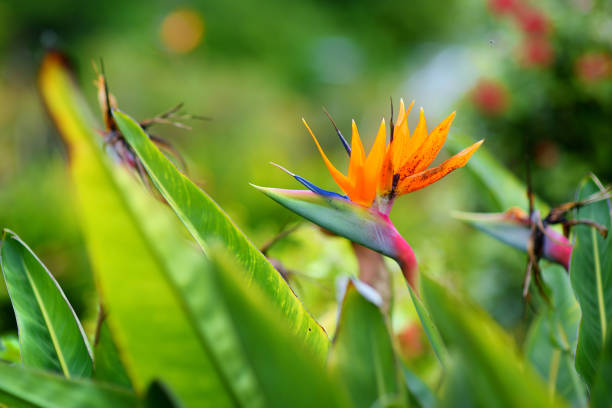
[373,182]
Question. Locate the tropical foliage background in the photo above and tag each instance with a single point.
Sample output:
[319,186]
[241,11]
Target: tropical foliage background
[532,78]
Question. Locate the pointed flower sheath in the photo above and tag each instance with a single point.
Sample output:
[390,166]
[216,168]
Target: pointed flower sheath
[373,182]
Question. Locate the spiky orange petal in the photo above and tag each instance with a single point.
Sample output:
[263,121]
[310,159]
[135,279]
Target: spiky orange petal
[430,147]
[357,155]
[343,182]
[418,138]
[410,183]
[400,144]
[374,162]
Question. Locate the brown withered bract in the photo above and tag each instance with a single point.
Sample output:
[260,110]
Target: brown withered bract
[115,141]
[539,232]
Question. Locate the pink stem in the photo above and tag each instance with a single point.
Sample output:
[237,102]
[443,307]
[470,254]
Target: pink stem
[404,256]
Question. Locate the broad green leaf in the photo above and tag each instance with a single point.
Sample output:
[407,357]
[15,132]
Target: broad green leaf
[601,397]
[551,341]
[25,387]
[507,190]
[494,374]
[591,277]
[340,216]
[107,361]
[206,221]
[147,317]
[288,373]
[420,393]
[362,353]
[50,334]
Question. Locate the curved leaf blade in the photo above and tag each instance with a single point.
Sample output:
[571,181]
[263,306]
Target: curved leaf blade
[206,221]
[339,216]
[591,277]
[288,373]
[50,334]
[145,313]
[495,375]
[107,361]
[551,341]
[24,387]
[431,331]
[362,353]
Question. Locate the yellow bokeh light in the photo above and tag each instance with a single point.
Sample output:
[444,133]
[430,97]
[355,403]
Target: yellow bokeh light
[182,31]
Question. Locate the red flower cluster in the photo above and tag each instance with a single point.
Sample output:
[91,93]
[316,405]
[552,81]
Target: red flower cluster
[594,67]
[490,97]
[536,49]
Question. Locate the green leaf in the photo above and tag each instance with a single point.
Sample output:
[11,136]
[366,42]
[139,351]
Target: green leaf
[24,387]
[494,374]
[420,393]
[50,334]
[591,277]
[507,190]
[601,397]
[513,229]
[340,216]
[107,361]
[206,221]
[287,373]
[362,352]
[153,330]
[551,341]
[430,328]
[501,226]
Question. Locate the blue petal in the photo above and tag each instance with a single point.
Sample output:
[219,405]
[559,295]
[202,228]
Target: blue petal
[310,186]
[318,190]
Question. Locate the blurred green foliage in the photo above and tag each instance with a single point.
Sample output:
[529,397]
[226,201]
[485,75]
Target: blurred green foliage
[258,69]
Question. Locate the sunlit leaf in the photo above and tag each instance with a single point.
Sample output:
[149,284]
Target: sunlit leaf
[206,221]
[50,334]
[146,315]
[591,277]
[9,348]
[493,373]
[24,387]
[362,353]
[288,373]
[552,338]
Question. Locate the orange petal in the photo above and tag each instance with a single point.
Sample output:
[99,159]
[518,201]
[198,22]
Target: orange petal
[374,161]
[401,115]
[430,148]
[355,173]
[409,183]
[417,140]
[340,179]
[401,139]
